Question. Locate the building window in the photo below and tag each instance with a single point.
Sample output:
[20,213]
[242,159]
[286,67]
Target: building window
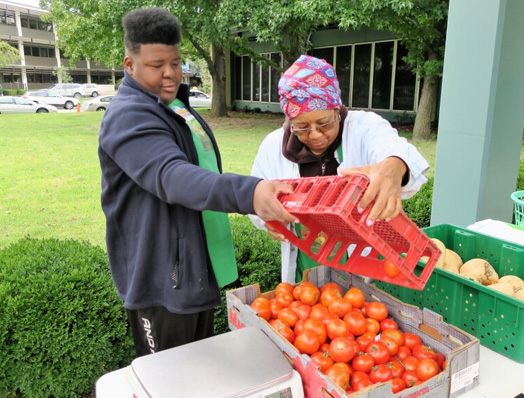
[246,79]
[238,82]
[256,81]
[382,75]
[343,70]
[275,77]
[7,17]
[405,81]
[323,53]
[265,83]
[33,22]
[34,51]
[361,76]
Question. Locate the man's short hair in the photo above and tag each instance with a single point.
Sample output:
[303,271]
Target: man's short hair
[150,26]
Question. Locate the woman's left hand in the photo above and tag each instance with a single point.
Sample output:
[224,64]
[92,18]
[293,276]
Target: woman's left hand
[385,180]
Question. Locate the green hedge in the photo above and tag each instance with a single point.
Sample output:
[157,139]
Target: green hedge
[13,91]
[61,324]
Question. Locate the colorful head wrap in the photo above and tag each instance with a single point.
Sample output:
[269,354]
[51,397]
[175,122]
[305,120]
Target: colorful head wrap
[309,84]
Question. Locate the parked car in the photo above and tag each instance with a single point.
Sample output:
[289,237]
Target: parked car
[199,99]
[10,104]
[50,98]
[90,89]
[99,104]
[68,89]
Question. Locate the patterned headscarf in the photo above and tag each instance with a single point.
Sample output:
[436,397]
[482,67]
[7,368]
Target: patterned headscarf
[309,84]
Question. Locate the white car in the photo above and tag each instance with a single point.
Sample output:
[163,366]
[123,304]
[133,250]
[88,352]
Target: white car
[50,98]
[199,99]
[90,89]
[99,104]
[10,104]
[68,89]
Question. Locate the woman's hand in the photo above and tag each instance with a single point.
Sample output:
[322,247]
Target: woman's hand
[385,180]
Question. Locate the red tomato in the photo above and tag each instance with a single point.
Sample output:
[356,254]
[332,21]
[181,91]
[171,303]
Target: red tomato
[288,315]
[364,340]
[339,306]
[421,351]
[411,340]
[262,309]
[283,329]
[356,297]
[309,295]
[397,385]
[410,378]
[284,287]
[318,311]
[295,304]
[275,309]
[427,368]
[440,358]
[329,294]
[328,317]
[318,328]
[337,328]
[363,383]
[403,352]
[303,311]
[397,369]
[380,373]
[284,299]
[392,345]
[307,342]
[342,349]
[331,285]
[388,323]
[358,375]
[373,325]
[338,375]
[322,359]
[394,334]
[356,323]
[363,362]
[391,269]
[410,363]
[376,310]
[324,347]
[379,351]
[299,327]
[261,300]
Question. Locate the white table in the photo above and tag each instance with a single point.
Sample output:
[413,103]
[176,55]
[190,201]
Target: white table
[499,377]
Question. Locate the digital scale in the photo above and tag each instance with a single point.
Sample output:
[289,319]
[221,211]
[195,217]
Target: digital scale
[240,364]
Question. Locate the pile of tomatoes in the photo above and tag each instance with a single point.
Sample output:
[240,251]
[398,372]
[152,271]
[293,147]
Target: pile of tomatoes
[354,343]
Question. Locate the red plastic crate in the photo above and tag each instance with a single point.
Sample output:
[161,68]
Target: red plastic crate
[327,206]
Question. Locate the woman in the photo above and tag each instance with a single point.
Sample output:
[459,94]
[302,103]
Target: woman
[321,137]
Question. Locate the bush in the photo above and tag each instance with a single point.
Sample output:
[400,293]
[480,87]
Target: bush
[418,207]
[258,260]
[12,91]
[62,325]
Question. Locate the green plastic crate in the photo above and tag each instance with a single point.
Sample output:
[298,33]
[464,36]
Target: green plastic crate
[496,319]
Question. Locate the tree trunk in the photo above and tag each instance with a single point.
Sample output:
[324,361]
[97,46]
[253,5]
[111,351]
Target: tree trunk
[218,76]
[428,98]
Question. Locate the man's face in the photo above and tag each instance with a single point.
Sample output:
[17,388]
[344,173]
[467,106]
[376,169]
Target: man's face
[157,68]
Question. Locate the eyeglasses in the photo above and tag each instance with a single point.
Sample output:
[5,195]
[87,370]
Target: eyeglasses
[321,128]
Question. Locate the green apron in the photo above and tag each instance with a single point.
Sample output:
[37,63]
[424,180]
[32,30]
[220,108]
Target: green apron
[305,262]
[216,224]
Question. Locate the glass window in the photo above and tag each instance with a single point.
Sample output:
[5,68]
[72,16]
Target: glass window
[324,53]
[246,79]
[51,53]
[343,70]
[27,50]
[36,51]
[265,84]
[360,97]
[404,83]
[7,17]
[33,24]
[275,77]
[382,74]
[256,81]
[237,82]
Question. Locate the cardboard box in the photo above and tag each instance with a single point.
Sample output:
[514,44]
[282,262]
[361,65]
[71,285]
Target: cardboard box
[460,348]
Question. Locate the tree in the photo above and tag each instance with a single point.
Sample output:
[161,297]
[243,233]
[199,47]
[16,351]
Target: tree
[421,25]
[93,29]
[63,74]
[8,54]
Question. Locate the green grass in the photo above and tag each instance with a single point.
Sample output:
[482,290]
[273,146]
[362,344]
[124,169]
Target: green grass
[50,174]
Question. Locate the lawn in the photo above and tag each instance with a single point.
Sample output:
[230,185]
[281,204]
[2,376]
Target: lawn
[50,176]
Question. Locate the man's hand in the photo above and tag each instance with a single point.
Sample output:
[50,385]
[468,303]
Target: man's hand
[385,179]
[266,204]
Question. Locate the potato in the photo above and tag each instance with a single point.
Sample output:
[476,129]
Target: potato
[473,277]
[506,288]
[514,280]
[452,259]
[482,269]
[442,248]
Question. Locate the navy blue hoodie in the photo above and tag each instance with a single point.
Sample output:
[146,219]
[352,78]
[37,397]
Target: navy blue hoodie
[153,193]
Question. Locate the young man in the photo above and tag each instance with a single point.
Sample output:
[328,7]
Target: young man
[163,194]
